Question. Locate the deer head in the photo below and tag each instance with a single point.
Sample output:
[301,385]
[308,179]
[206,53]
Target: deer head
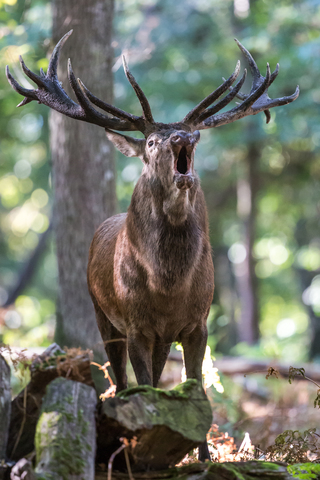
[167,154]
[177,140]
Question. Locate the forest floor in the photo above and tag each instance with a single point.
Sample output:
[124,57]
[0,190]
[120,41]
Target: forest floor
[255,406]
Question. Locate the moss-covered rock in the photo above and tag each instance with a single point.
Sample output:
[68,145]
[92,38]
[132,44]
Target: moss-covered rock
[167,424]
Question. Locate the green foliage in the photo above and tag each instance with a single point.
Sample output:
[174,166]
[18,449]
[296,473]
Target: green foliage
[178,53]
[295,371]
[25,185]
[301,371]
[293,446]
[305,471]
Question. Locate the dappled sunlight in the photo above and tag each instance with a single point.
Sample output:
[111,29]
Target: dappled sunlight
[259,179]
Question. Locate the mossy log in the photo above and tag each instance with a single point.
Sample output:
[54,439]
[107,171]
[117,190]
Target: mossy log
[5,408]
[251,470]
[26,406]
[66,432]
[165,425]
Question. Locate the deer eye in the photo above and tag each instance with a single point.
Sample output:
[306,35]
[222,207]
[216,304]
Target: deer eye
[150,143]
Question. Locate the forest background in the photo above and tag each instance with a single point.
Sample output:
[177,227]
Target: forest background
[261,181]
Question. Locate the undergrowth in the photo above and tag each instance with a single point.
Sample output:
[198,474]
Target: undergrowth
[298,449]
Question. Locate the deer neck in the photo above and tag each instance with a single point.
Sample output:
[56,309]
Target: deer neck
[164,230]
[168,202]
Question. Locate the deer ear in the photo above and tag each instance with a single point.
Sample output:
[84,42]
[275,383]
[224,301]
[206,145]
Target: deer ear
[129,146]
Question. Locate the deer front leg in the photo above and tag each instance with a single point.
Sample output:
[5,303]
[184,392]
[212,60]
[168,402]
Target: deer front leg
[140,354]
[194,347]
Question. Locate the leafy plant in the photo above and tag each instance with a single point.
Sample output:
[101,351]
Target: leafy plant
[293,446]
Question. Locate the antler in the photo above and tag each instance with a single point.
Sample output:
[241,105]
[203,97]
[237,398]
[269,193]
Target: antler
[51,93]
[256,101]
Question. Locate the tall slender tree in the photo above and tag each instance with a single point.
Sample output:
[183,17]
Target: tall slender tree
[83,164]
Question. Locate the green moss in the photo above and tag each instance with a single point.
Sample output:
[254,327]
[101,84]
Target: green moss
[269,465]
[68,451]
[182,390]
[69,399]
[67,457]
[43,435]
[233,469]
[247,470]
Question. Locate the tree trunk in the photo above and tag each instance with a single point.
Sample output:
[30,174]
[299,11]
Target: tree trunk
[66,434]
[245,271]
[5,408]
[25,407]
[83,164]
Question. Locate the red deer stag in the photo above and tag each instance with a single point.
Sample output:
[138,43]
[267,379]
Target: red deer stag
[150,271]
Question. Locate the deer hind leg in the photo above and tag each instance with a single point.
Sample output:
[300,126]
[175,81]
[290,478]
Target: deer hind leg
[159,357]
[194,347]
[115,345]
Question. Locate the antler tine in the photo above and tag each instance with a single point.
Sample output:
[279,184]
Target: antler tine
[256,93]
[243,96]
[196,111]
[278,102]
[24,102]
[29,94]
[91,114]
[54,60]
[252,64]
[82,99]
[224,102]
[141,96]
[106,106]
[275,73]
[33,76]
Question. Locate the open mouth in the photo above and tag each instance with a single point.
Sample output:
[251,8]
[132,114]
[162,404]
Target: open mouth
[183,162]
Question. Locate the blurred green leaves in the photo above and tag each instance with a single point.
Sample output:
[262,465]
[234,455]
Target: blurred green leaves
[179,53]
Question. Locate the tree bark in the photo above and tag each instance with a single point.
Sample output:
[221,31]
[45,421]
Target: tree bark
[5,408]
[248,330]
[83,164]
[66,433]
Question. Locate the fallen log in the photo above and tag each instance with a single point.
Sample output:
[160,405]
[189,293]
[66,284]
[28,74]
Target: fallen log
[161,426]
[66,434]
[196,471]
[251,470]
[25,408]
[231,366]
[5,408]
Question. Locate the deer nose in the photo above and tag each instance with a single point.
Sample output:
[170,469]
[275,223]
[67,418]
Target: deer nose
[185,138]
